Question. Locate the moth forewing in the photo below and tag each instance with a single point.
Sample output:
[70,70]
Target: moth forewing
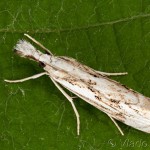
[109,96]
[116,100]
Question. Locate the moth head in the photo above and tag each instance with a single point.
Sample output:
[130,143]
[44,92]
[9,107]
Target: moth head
[25,49]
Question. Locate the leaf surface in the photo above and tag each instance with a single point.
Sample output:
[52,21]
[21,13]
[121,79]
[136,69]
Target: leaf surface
[111,36]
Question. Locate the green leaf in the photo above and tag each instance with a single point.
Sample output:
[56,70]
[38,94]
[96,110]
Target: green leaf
[111,36]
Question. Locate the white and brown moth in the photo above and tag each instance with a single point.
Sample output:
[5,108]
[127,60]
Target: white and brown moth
[114,99]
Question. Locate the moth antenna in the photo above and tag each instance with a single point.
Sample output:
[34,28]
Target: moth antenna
[39,44]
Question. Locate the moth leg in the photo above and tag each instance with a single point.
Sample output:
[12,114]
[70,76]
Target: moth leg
[73,97]
[28,78]
[113,120]
[38,43]
[112,74]
[71,101]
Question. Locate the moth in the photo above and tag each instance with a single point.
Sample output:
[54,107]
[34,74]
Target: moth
[116,100]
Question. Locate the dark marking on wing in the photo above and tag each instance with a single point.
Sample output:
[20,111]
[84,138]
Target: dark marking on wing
[31,57]
[42,64]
